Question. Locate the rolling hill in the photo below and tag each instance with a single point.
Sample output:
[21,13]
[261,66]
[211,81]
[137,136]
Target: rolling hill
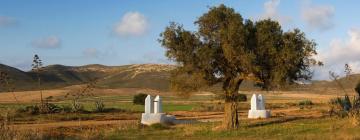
[154,76]
[151,76]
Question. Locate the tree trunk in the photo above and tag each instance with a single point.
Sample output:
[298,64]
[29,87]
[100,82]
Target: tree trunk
[231,120]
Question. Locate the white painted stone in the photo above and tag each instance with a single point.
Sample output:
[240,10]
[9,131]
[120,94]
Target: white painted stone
[157,105]
[257,109]
[261,102]
[254,103]
[149,105]
[153,112]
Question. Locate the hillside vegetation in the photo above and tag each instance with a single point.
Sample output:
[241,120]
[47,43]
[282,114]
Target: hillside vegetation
[154,76]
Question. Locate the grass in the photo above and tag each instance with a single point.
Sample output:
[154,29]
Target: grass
[323,128]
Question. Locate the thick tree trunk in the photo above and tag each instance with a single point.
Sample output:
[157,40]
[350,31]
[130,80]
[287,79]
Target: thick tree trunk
[231,120]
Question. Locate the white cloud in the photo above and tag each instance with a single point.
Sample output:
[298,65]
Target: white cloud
[340,52]
[271,12]
[7,21]
[131,24]
[318,17]
[91,52]
[49,42]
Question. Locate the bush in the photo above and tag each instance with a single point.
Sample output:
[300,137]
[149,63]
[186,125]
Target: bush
[139,99]
[305,104]
[66,109]
[241,98]
[99,106]
[36,109]
[32,109]
[76,106]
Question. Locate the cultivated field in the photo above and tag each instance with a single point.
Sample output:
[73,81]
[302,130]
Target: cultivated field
[201,114]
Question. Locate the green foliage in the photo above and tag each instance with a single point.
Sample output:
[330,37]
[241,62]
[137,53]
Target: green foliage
[139,99]
[99,106]
[305,104]
[77,106]
[227,50]
[342,106]
[241,98]
[47,108]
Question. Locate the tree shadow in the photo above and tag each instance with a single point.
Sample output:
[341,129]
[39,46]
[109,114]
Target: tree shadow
[275,121]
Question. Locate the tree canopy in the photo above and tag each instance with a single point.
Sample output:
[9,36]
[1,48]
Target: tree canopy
[228,49]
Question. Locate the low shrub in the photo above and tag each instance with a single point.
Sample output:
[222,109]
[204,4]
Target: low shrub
[139,99]
[47,108]
[305,104]
[99,106]
[241,98]
[77,106]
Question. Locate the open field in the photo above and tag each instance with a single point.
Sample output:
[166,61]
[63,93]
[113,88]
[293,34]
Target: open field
[288,121]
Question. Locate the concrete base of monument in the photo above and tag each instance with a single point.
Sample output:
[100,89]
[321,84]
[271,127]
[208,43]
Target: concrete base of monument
[153,118]
[255,114]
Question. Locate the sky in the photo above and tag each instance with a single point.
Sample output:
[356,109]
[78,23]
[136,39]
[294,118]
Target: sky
[120,32]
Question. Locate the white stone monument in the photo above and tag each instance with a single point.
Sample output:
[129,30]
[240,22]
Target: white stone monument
[258,107]
[158,105]
[153,112]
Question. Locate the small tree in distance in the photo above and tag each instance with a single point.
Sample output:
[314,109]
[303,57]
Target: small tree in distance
[227,50]
[37,66]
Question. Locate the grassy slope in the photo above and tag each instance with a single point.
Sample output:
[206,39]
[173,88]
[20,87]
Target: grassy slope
[128,76]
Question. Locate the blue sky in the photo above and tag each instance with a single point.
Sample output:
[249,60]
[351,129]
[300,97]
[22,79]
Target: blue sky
[118,32]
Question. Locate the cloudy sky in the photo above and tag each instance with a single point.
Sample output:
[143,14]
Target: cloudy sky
[118,32]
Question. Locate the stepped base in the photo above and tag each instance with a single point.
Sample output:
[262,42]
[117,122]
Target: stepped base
[151,118]
[254,114]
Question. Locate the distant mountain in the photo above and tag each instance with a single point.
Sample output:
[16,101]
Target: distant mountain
[153,76]
[347,82]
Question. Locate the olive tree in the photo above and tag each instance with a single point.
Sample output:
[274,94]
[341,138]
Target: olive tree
[227,49]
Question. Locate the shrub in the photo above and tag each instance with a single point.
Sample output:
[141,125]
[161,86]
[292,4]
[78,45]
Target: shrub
[66,109]
[45,109]
[241,98]
[99,106]
[32,109]
[53,108]
[76,106]
[139,99]
[305,104]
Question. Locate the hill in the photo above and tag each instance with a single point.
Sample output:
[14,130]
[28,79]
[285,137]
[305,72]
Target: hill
[153,76]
